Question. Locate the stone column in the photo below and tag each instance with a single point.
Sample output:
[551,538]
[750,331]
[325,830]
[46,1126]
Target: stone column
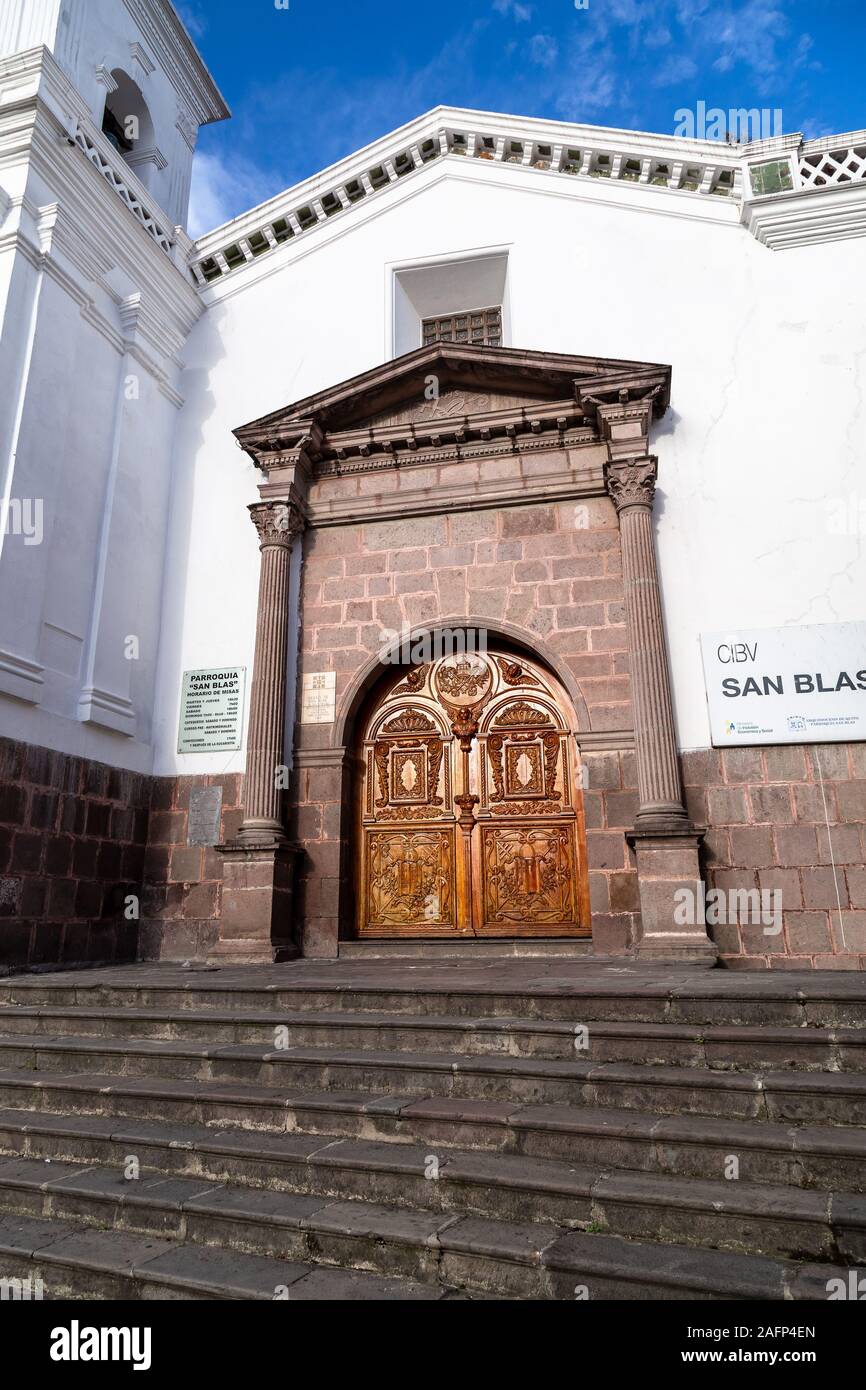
[631,484]
[277,524]
[258,866]
[666,844]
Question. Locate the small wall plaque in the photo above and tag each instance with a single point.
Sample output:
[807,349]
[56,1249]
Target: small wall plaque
[205,806]
[211,710]
[319,697]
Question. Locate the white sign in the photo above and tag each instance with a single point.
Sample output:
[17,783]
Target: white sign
[786,684]
[211,710]
[319,697]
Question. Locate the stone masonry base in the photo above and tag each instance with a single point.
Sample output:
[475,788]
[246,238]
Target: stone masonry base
[96,864]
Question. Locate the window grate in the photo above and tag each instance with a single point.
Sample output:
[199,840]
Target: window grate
[481,326]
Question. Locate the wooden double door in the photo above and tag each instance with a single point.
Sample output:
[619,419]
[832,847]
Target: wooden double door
[469,818]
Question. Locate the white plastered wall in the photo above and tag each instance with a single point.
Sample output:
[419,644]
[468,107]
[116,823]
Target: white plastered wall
[768,351]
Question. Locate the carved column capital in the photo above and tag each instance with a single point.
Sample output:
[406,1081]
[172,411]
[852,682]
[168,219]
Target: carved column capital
[278,523]
[632,482]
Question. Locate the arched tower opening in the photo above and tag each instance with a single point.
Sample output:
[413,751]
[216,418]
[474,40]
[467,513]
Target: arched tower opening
[127,123]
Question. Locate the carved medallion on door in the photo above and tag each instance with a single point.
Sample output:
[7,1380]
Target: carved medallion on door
[469,818]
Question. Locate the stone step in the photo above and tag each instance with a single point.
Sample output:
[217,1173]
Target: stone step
[621,994]
[802,1097]
[718,1048]
[501,1257]
[436,1124]
[802,1155]
[78,1261]
[524,1157]
[493,949]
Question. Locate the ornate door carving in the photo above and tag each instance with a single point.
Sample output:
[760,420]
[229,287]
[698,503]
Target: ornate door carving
[470,822]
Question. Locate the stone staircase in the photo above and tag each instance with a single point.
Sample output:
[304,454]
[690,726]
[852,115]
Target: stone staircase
[428,1130]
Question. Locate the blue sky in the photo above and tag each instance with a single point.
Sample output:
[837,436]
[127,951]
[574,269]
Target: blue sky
[314,82]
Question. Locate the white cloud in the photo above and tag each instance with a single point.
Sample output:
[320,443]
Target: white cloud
[802,57]
[657,38]
[518,11]
[749,34]
[814,128]
[544,50]
[586,92]
[679,67]
[224,187]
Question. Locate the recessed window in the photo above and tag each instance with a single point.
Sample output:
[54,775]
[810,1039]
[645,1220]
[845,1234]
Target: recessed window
[481,326]
[428,299]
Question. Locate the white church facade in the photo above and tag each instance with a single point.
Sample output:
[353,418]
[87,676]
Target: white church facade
[537,426]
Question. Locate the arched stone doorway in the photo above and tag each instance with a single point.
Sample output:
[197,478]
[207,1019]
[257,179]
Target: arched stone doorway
[523,493]
[467,814]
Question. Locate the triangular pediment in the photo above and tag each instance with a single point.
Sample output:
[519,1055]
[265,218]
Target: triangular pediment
[449,404]
[452,385]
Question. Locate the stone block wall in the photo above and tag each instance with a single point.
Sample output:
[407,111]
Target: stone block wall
[73,837]
[610,802]
[320,820]
[552,570]
[790,818]
[80,842]
[182,883]
[78,838]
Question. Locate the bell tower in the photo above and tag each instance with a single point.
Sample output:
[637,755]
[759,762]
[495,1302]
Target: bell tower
[145,86]
[101,102]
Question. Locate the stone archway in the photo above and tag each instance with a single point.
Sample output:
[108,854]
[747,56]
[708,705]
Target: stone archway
[516,639]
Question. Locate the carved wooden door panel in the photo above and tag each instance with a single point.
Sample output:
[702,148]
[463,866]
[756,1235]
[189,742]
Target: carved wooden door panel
[469,822]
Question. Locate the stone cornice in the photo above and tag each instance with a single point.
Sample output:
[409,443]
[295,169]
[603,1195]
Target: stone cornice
[544,400]
[783,220]
[604,740]
[471,437]
[464,436]
[171,46]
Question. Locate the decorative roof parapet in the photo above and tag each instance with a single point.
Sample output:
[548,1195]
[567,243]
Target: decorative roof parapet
[672,164]
[800,192]
[834,160]
[578,152]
